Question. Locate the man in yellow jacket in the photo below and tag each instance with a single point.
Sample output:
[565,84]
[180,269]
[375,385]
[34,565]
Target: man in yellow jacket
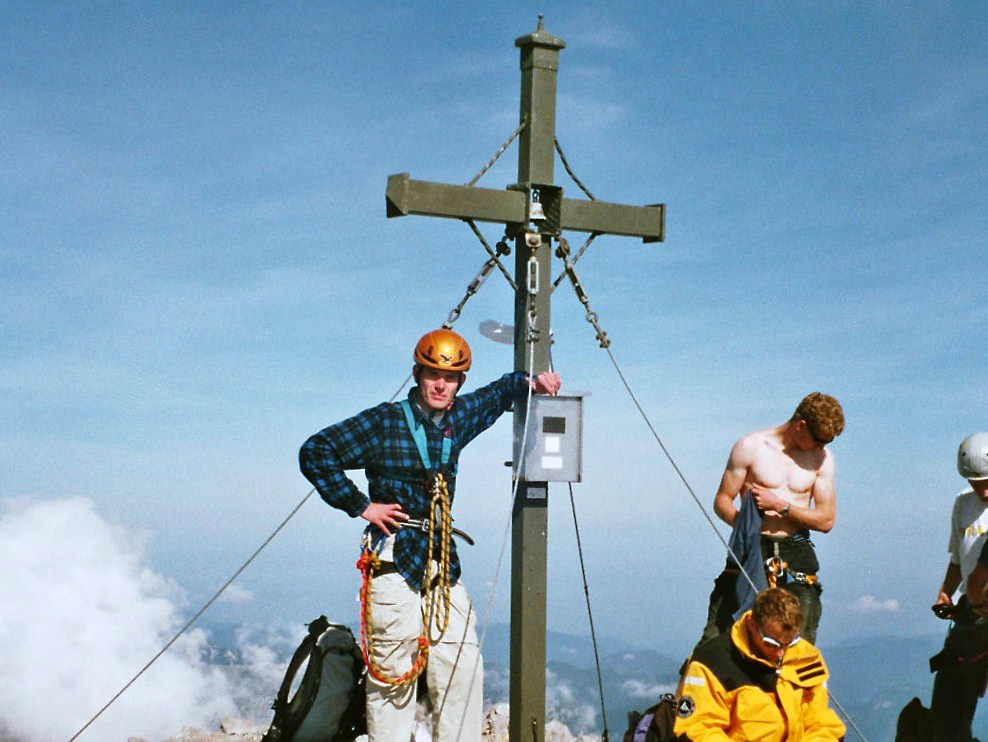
[759,683]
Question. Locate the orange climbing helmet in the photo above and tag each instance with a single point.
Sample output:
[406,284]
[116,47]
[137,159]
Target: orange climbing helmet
[443,349]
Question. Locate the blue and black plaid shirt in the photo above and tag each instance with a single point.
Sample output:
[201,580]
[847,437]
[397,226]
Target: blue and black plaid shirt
[378,441]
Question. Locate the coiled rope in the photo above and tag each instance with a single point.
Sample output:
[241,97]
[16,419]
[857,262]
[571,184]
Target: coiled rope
[435,597]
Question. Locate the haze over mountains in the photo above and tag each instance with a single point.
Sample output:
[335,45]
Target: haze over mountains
[122,613]
[870,680]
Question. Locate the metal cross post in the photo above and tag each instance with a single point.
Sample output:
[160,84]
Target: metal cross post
[514,208]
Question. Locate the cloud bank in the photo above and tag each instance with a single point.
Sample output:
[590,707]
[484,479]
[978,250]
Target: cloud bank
[80,615]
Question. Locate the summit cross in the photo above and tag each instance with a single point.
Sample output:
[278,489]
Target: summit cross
[514,208]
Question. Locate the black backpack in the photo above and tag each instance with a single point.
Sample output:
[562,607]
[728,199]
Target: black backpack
[656,724]
[328,704]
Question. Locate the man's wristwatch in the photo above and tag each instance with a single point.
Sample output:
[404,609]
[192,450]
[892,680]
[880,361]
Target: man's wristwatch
[785,511]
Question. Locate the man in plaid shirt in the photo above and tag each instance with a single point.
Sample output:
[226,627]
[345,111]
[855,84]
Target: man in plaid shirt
[400,465]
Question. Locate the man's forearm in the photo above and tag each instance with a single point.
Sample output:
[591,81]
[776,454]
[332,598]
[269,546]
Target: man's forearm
[812,518]
[951,581]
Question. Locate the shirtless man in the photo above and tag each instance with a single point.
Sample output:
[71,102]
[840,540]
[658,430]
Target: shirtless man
[789,475]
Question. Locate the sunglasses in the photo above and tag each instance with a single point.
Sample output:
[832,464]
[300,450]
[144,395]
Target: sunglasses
[775,643]
[817,439]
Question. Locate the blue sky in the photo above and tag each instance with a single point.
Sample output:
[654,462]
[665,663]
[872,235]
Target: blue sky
[196,273]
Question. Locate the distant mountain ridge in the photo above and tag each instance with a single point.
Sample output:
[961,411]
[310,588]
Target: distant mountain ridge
[871,679]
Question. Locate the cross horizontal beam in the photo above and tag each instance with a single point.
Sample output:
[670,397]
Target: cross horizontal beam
[406,196]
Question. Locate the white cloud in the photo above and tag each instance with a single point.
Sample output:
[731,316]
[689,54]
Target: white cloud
[562,704]
[236,595]
[871,604]
[80,615]
[638,689]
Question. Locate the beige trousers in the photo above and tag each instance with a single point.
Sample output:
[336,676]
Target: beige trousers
[455,671]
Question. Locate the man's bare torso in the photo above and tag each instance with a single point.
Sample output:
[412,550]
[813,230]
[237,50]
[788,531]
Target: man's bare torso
[788,473]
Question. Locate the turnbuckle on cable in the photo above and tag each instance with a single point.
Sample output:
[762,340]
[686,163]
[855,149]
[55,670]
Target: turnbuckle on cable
[502,248]
[562,252]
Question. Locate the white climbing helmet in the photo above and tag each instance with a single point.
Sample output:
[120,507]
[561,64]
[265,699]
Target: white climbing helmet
[972,457]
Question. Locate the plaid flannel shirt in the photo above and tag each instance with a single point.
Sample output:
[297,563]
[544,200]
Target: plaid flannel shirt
[378,441]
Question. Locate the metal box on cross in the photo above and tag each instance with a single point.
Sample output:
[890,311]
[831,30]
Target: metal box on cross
[554,443]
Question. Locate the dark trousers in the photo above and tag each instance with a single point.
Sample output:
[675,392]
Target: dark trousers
[724,603]
[960,681]
[797,551]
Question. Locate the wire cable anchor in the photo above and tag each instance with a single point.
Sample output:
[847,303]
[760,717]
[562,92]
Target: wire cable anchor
[502,248]
[562,252]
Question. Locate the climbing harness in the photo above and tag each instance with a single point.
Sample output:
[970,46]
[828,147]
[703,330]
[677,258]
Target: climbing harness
[777,570]
[423,525]
[435,597]
[417,431]
[435,590]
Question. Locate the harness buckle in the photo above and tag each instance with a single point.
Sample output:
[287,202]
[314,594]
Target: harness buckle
[422,524]
[804,578]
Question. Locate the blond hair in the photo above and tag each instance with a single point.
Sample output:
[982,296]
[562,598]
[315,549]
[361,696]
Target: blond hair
[780,606]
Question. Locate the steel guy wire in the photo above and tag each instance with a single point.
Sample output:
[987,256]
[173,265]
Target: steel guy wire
[195,618]
[507,143]
[516,480]
[592,319]
[213,599]
[586,592]
[495,254]
[569,170]
[576,258]
[474,286]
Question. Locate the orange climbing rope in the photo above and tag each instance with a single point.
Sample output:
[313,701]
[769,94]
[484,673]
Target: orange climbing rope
[434,595]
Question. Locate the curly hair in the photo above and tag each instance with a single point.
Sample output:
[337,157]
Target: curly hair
[822,413]
[781,606]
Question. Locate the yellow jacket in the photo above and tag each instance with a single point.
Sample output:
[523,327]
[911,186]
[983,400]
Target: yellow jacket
[730,694]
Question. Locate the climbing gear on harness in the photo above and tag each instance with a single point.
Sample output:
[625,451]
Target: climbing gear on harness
[444,350]
[972,457]
[774,568]
[805,578]
[422,525]
[435,589]
[439,513]
[777,570]
[368,563]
